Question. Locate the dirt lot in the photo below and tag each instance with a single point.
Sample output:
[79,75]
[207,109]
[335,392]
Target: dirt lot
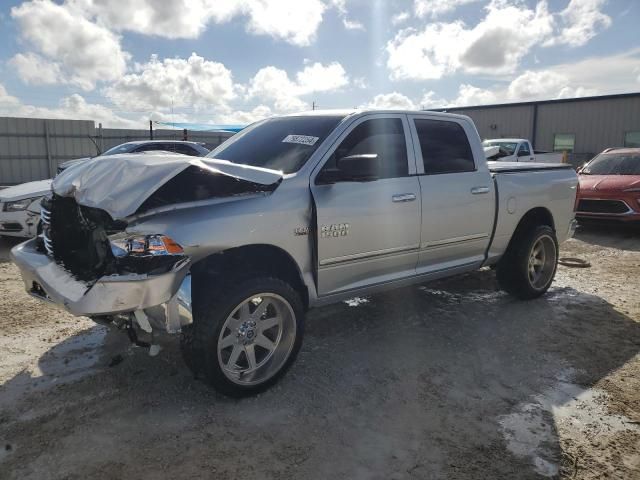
[448,380]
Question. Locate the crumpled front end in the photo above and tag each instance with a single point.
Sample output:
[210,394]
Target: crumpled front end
[87,264]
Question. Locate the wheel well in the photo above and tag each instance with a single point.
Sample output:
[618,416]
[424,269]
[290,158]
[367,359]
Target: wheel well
[249,260]
[536,216]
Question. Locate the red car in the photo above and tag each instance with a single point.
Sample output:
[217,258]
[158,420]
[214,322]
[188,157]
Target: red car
[610,186]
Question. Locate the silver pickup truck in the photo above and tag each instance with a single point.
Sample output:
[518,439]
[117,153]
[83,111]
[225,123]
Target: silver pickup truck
[294,212]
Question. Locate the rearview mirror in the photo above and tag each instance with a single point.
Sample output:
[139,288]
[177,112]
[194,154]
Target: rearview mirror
[360,167]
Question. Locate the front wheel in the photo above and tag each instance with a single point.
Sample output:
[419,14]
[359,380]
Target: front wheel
[529,265]
[246,336]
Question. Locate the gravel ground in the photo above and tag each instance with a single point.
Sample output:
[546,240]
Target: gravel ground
[452,379]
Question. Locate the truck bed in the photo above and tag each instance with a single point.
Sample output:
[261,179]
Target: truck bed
[521,187]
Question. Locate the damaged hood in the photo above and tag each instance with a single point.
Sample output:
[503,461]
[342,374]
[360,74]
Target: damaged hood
[121,186]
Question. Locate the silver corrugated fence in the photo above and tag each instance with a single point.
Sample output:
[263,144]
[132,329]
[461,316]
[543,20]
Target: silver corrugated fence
[32,148]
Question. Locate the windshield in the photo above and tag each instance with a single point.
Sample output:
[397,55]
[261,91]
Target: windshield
[281,143]
[124,148]
[614,164]
[507,147]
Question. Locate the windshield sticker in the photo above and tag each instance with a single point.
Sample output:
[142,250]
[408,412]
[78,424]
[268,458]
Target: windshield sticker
[300,139]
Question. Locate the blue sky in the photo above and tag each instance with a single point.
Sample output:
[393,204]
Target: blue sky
[122,62]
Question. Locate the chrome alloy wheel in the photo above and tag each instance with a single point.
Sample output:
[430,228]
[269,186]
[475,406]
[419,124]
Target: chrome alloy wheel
[256,339]
[542,262]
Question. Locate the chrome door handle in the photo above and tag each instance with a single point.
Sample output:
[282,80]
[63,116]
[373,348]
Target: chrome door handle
[479,190]
[404,197]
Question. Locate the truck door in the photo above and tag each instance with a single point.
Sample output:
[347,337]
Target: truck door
[368,232]
[458,196]
[525,153]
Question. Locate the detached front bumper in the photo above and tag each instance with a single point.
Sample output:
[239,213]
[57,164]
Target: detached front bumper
[159,301]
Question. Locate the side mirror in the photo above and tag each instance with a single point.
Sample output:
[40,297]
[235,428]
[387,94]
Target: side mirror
[360,168]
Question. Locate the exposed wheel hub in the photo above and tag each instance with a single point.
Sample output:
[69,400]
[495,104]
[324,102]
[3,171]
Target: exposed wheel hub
[247,332]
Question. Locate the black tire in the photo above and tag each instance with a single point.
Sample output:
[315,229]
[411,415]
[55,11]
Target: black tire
[512,271]
[211,310]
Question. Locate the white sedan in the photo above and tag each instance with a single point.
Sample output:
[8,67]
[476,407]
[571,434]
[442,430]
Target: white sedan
[20,208]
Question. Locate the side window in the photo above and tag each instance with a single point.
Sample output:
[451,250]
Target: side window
[524,151]
[384,137]
[445,147]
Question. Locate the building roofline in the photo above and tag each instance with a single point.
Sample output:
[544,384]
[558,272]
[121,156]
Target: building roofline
[537,102]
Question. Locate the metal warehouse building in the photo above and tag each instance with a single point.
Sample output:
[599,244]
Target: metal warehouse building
[581,126]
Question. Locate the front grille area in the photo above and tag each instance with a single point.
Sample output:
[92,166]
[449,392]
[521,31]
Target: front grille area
[76,236]
[45,222]
[603,206]
[10,227]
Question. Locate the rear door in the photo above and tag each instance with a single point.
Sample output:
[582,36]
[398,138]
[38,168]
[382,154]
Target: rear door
[368,232]
[458,196]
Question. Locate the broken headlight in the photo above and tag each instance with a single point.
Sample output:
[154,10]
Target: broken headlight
[123,245]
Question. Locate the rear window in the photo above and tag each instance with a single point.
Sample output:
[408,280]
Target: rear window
[614,164]
[508,148]
[445,147]
[124,148]
[282,143]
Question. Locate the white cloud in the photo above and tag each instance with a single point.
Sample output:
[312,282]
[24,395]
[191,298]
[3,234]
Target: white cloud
[6,100]
[428,54]
[35,70]
[341,7]
[294,21]
[80,50]
[173,82]
[508,32]
[399,18]
[495,45]
[273,84]
[545,84]
[244,116]
[72,107]
[391,101]
[321,78]
[470,95]
[352,24]
[435,8]
[431,100]
[609,74]
[170,19]
[582,19]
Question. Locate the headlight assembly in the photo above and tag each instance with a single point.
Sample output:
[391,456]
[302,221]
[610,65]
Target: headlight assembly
[128,245]
[19,205]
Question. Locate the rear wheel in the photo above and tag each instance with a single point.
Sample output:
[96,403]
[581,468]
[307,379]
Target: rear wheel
[529,265]
[245,338]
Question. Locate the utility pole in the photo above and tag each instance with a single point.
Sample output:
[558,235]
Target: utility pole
[150,129]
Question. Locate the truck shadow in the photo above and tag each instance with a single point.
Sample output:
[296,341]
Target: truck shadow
[6,244]
[449,379]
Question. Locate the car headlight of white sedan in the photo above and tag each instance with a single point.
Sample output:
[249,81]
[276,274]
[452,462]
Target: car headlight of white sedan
[19,205]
